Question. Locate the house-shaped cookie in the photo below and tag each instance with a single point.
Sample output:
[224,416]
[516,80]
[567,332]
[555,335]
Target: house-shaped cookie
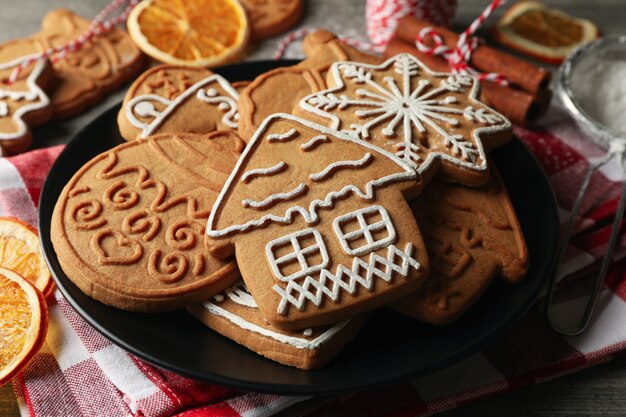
[319,223]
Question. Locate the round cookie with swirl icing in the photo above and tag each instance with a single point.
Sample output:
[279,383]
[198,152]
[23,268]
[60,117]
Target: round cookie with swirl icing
[129,226]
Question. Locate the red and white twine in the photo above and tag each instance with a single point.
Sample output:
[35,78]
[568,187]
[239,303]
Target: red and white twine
[98,26]
[382,18]
[459,57]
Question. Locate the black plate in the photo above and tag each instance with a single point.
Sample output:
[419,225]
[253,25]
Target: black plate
[391,348]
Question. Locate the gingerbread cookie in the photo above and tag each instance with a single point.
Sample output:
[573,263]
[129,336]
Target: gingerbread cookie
[432,121]
[272,17]
[83,77]
[23,104]
[170,98]
[280,90]
[235,314]
[129,226]
[319,224]
[472,236]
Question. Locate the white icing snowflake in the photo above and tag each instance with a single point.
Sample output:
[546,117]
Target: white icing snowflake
[416,107]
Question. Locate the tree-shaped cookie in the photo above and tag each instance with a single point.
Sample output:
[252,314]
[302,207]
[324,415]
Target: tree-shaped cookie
[172,98]
[319,224]
[23,103]
[430,120]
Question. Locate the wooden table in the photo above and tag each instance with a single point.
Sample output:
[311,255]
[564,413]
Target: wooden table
[598,391]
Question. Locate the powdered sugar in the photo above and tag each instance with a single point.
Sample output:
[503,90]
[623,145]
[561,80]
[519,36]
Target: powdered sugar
[599,87]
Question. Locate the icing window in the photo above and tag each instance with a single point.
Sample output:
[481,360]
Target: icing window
[297,255]
[364,231]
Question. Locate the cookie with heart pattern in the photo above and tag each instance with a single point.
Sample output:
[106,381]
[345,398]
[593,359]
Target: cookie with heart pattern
[128,228]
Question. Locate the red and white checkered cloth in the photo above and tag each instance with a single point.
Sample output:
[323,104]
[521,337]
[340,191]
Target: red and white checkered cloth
[80,373]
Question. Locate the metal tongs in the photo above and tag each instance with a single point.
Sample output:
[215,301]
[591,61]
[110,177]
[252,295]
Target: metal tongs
[616,150]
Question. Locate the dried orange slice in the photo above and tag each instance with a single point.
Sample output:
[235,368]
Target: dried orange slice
[199,33]
[542,32]
[23,323]
[20,252]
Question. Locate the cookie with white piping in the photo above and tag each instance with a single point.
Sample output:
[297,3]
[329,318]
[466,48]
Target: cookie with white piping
[23,103]
[473,236]
[85,76]
[128,228]
[172,99]
[235,314]
[319,224]
[433,121]
[280,90]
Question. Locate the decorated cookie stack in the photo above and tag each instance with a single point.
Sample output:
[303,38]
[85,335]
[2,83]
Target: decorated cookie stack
[281,212]
[61,88]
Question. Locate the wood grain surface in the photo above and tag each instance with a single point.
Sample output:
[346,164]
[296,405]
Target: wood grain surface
[598,391]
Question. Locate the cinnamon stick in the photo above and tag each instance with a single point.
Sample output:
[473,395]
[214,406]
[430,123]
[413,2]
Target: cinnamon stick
[523,74]
[517,105]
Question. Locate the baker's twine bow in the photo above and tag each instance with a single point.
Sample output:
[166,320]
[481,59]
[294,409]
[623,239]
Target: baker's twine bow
[98,26]
[459,58]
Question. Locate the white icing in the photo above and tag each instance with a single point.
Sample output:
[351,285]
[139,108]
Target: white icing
[4,109]
[481,115]
[276,198]
[224,103]
[259,172]
[282,137]
[404,109]
[35,97]
[146,109]
[297,342]
[347,279]
[307,332]
[143,107]
[219,298]
[227,103]
[309,214]
[314,142]
[297,253]
[326,172]
[239,294]
[365,231]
